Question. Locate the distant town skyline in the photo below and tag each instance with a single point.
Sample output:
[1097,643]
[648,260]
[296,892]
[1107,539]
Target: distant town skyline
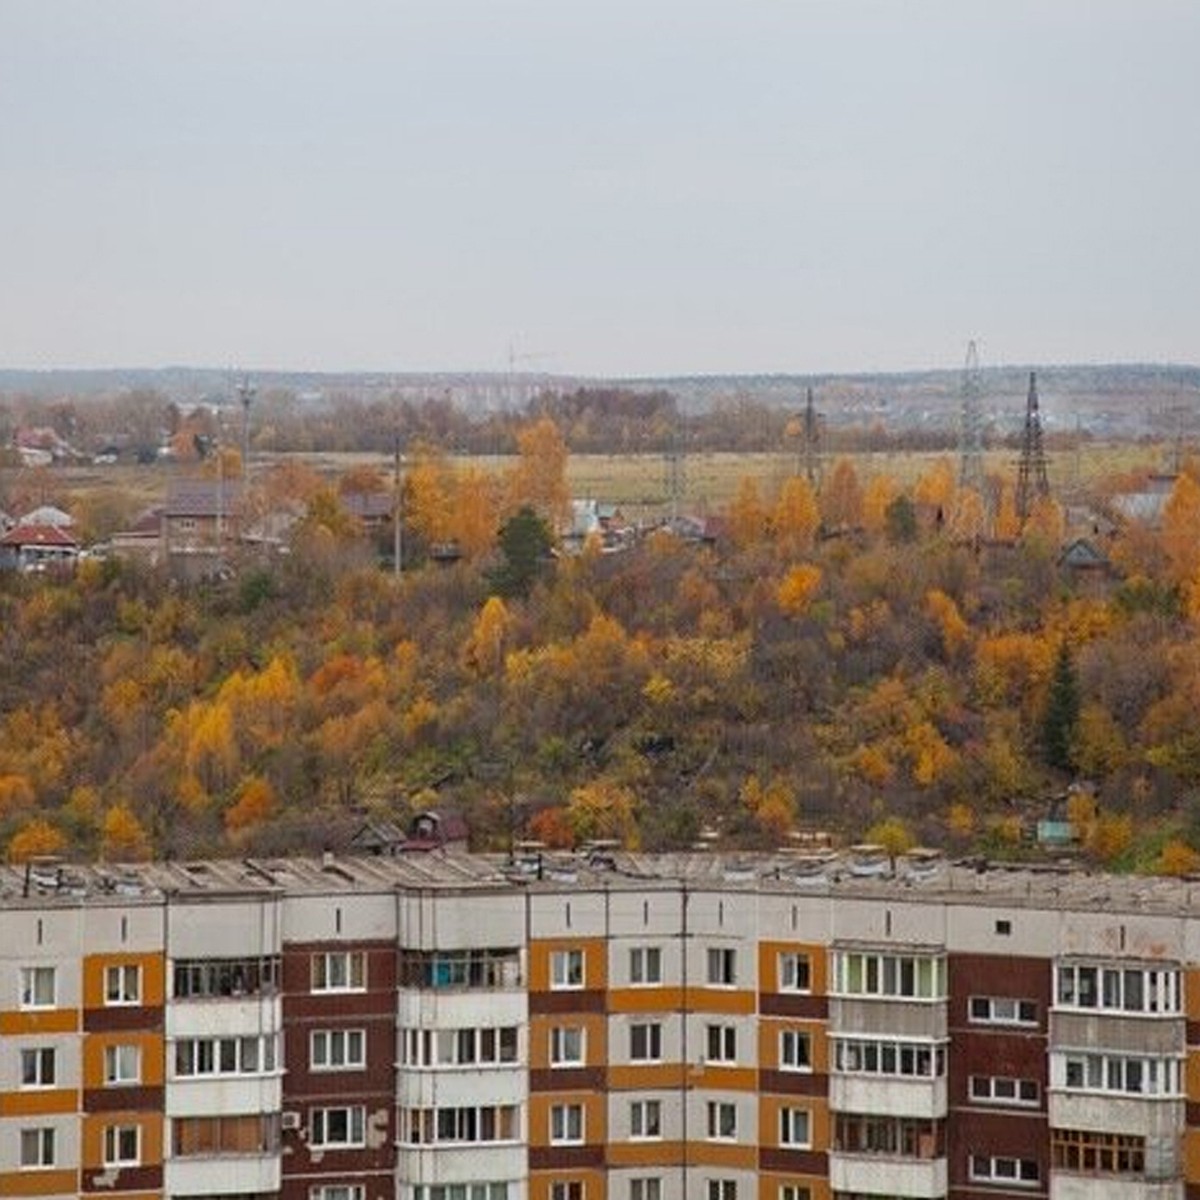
[618,190]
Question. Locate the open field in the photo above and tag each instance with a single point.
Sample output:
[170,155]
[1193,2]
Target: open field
[637,482]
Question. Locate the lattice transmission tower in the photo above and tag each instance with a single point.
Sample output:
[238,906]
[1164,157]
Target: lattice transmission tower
[810,444]
[1033,484]
[970,427]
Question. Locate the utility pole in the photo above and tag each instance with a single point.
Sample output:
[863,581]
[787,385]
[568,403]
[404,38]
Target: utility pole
[811,447]
[397,514]
[1033,484]
[246,392]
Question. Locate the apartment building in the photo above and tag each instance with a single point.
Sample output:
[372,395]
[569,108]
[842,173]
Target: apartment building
[441,1026]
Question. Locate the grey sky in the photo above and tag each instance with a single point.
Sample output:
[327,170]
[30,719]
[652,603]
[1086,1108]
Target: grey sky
[621,187]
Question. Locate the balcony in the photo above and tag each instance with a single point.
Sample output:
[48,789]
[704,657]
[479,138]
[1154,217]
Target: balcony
[887,1095]
[222,1175]
[1151,1117]
[1065,1185]
[888,1175]
[892,1017]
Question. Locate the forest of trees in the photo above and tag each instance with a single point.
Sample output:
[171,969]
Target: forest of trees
[898,664]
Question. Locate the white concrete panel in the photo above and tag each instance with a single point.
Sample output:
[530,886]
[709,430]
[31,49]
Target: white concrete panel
[67,977]
[449,1087]
[645,914]
[747,1114]
[620,1037]
[427,921]
[671,954]
[1103,934]
[463,1164]
[208,1176]
[885,922]
[924,1179]
[1109,1113]
[129,929]
[567,914]
[1064,1186]
[219,1097]
[745,974]
[620,1118]
[465,1009]
[67,1058]
[974,929]
[224,1018]
[885,1096]
[722,914]
[66,1139]
[671,1182]
[51,933]
[228,928]
[795,917]
[349,917]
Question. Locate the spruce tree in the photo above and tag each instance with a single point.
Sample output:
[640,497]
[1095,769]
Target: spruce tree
[1062,711]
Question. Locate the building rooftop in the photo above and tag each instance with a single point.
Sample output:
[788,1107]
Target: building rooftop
[863,872]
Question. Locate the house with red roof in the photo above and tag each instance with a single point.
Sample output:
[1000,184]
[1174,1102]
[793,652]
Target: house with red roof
[37,548]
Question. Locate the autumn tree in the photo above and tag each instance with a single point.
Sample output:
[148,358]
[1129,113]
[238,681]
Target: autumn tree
[841,497]
[539,480]
[796,517]
[797,589]
[35,839]
[747,515]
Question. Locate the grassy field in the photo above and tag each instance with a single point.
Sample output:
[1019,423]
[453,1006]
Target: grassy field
[636,482]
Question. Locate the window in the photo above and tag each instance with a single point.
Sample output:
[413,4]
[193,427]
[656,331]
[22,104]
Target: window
[482,969]
[470,1123]
[645,965]
[1021,1171]
[795,1050]
[721,1043]
[566,1046]
[339,971]
[1002,1010]
[566,1123]
[1118,989]
[123,984]
[794,973]
[337,1126]
[566,969]
[721,966]
[645,1119]
[645,1188]
[571,1189]
[722,1120]
[794,1191]
[121,1144]
[122,1064]
[210,978]
[722,1189]
[863,1056]
[37,1148]
[38,987]
[904,1137]
[457,1191]
[1003,1089]
[193,1137]
[1105,1153]
[645,1042]
[38,1067]
[1085,1072]
[338,1049]
[459,1047]
[337,1191]
[794,1127]
[1004,928]
[225,1056]
[919,977]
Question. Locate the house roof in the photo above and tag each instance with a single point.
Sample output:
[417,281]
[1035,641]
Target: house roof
[39,535]
[47,514]
[202,497]
[368,506]
[1082,553]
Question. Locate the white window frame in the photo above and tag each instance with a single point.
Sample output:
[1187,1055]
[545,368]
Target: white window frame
[1001,1010]
[567,1189]
[996,1169]
[722,1189]
[722,1123]
[355,1117]
[789,1042]
[721,966]
[39,1141]
[339,971]
[723,1040]
[795,1128]
[645,1120]
[795,1191]
[122,1063]
[568,1045]
[1111,987]
[645,1187]
[650,1034]
[789,968]
[566,1124]
[645,966]
[337,1191]
[122,985]
[567,970]
[39,1056]
[1003,1089]
[116,1152]
[332,1050]
[33,989]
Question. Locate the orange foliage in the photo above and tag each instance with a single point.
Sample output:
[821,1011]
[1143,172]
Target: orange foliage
[256,803]
[552,826]
[35,839]
[944,612]
[122,838]
[797,589]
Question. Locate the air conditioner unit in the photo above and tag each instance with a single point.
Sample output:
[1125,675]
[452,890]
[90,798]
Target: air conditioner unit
[290,1120]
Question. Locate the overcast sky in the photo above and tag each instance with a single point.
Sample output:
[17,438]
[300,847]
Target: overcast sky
[609,186]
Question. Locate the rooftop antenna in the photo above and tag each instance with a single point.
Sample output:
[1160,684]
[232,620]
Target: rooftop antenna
[1032,482]
[970,430]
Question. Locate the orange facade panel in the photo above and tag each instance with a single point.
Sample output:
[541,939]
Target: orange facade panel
[646,999]
[542,957]
[724,1079]
[768,965]
[49,1020]
[152,975]
[39,1183]
[770,1186]
[150,1136]
[1191,1156]
[38,1102]
[96,1057]
[721,1000]
[1191,993]
[770,1031]
[647,1154]
[646,1077]
[730,1155]
[541,1037]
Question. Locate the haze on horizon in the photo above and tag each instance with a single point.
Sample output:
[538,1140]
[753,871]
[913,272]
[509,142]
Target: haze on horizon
[640,187]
